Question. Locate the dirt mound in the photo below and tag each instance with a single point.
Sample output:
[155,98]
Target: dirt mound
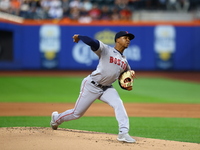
[32,138]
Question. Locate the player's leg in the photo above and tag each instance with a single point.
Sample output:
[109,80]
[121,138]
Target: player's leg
[111,97]
[85,99]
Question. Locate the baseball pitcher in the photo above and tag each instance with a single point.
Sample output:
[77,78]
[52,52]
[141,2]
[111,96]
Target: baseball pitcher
[98,85]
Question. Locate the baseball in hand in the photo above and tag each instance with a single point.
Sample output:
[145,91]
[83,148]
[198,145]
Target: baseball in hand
[75,37]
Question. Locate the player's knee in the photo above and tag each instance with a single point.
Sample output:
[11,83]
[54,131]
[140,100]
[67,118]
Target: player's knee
[77,116]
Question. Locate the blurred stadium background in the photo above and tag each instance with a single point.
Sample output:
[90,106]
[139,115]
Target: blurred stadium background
[37,34]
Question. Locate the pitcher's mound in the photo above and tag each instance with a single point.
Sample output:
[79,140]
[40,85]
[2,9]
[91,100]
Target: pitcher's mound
[32,138]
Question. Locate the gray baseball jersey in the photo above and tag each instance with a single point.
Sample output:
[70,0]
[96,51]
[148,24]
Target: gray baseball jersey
[111,64]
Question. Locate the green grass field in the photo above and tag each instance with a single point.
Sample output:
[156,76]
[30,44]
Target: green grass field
[146,90]
[66,89]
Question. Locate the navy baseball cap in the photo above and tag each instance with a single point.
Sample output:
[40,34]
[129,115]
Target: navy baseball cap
[124,33]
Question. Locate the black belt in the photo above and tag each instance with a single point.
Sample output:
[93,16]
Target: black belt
[101,86]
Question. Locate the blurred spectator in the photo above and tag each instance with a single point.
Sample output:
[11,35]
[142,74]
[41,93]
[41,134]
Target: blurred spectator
[121,4]
[24,8]
[74,13]
[45,5]
[124,9]
[171,4]
[115,14]
[55,10]
[95,12]
[75,3]
[40,12]
[87,5]
[105,13]
[5,6]
[162,4]
[179,5]
[85,18]
[85,10]
[15,7]
[125,14]
[65,7]
[183,5]
[34,8]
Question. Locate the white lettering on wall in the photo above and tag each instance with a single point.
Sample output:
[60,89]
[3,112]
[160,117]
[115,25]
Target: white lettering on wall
[84,55]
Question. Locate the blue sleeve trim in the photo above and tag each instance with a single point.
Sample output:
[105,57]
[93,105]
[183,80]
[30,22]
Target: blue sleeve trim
[93,43]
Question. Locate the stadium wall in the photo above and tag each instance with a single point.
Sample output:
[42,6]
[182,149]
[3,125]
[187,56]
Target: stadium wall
[157,46]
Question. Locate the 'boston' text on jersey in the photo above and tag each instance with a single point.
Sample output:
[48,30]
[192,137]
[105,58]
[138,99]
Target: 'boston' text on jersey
[118,62]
